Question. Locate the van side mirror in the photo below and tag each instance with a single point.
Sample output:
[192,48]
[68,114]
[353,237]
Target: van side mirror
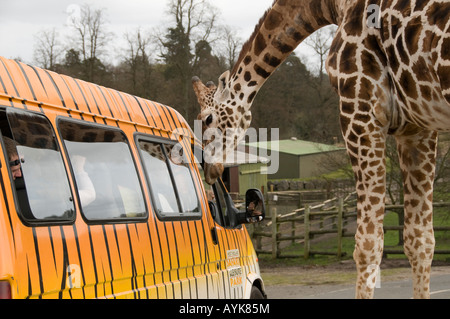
[255,209]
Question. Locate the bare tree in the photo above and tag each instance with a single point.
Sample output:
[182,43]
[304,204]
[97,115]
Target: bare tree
[91,36]
[186,41]
[323,99]
[48,49]
[198,17]
[138,61]
[231,46]
[320,42]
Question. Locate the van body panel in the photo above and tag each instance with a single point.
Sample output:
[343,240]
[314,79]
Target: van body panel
[146,258]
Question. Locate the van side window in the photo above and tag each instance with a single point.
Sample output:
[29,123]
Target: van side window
[173,191]
[37,169]
[105,174]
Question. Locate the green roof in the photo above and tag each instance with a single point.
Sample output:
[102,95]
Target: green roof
[296,147]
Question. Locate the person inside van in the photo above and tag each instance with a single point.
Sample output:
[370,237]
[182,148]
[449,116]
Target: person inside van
[86,188]
[13,157]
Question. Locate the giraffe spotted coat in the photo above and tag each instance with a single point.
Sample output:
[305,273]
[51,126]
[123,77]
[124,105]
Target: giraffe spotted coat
[392,74]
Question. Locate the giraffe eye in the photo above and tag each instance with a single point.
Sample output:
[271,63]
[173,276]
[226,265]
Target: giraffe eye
[209,120]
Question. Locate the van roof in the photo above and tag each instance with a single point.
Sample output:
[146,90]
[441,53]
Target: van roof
[24,83]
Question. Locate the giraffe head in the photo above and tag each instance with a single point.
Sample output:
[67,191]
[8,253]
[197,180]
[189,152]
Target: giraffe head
[225,118]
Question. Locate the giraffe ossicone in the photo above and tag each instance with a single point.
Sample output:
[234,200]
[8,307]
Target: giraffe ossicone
[392,74]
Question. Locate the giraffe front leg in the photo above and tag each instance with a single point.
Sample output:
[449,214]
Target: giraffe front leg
[368,252]
[369,235]
[366,148]
[417,155]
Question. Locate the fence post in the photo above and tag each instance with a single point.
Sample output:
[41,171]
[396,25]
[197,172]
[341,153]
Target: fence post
[293,232]
[340,226]
[306,240]
[273,214]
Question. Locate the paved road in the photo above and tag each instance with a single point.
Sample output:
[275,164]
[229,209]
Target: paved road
[440,289]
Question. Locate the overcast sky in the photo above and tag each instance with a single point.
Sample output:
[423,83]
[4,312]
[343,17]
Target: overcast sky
[21,20]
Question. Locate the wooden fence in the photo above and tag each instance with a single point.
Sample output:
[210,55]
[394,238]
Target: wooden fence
[336,216]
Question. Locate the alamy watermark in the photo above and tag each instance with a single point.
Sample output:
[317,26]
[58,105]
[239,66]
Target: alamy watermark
[374,279]
[234,146]
[373,16]
[73,272]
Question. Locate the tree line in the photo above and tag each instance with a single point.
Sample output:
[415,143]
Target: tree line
[159,65]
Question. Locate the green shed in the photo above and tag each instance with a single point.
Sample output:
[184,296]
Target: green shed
[297,158]
[244,172]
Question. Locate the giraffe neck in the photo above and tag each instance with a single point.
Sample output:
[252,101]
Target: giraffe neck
[279,32]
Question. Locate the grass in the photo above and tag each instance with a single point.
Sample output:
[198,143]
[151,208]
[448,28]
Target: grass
[441,217]
[308,278]
[391,240]
[342,173]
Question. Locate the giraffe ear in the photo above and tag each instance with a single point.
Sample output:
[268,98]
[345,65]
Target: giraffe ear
[223,92]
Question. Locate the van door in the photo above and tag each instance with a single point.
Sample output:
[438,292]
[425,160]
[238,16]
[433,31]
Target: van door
[237,257]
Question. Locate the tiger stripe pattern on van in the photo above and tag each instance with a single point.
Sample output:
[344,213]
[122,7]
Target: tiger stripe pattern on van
[147,259]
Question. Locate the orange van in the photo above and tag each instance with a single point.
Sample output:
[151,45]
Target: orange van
[102,197]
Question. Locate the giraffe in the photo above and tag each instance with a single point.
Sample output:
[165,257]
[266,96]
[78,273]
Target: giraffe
[390,64]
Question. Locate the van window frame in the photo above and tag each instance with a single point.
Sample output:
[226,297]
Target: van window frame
[222,206]
[39,222]
[103,221]
[165,216]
